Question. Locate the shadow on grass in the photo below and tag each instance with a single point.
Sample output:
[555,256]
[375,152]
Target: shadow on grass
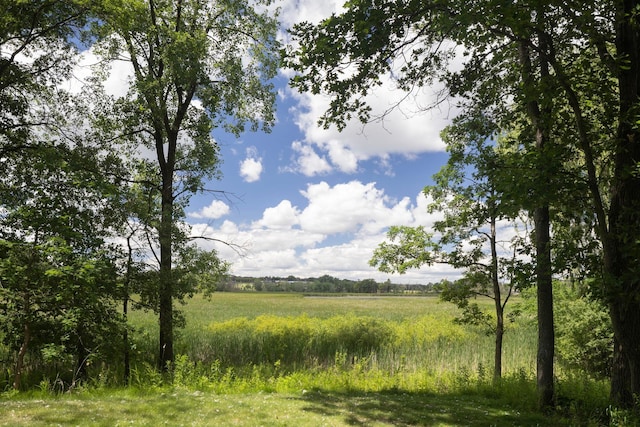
[425,409]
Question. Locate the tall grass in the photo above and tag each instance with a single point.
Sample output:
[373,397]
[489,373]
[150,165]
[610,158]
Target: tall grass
[394,333]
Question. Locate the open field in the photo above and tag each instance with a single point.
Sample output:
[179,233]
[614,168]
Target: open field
[423,327]
[284,359]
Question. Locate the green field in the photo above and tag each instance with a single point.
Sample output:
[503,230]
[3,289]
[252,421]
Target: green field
[288,359]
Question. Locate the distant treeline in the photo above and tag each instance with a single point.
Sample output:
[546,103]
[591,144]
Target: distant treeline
[323,284]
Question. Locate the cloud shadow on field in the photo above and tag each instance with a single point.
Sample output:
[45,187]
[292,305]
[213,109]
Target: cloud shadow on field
[419,409]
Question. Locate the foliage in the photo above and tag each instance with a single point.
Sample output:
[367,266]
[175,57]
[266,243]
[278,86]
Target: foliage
[57,307]
[36,53]
[584,335]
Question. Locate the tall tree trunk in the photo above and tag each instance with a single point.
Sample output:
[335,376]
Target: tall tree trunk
[546,334]
[125,310]
[165,291]
[622,249]
[544,283]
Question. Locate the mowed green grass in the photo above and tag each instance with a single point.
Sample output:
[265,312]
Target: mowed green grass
[311,409]
[435,373]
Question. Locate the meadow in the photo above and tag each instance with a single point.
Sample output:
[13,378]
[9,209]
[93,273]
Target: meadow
[289,359]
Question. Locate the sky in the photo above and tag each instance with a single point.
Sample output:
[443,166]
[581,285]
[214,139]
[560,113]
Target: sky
[307,201]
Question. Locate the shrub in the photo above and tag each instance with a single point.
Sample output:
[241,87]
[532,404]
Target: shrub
[584,333]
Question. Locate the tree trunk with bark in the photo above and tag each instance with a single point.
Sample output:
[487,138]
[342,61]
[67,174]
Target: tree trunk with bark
[546,334]
[622,249]
[26,339]
[542,224]
[165,291]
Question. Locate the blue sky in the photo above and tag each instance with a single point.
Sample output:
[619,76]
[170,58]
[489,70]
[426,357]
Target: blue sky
[304,201]
[307,201]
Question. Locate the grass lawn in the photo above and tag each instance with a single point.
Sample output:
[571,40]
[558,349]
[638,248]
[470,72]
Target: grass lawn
[316,408]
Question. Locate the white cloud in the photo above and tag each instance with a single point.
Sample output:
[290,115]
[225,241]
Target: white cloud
[294,11]
[251,167]
[215,210]
[349,207]
[283,216]
[335,233]
[119,75]
[407,129]
[342,157]
[307,161]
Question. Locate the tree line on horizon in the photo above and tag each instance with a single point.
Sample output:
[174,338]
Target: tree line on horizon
[323,284]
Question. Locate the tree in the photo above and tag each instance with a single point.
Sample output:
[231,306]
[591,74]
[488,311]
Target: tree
[58,280]
[466,194]
[57,302]
[196,64]
[514,61]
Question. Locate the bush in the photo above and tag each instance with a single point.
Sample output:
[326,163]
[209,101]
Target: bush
[584,333]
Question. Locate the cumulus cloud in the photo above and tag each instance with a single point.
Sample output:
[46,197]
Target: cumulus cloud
[408,130]
[283,216]
[334,232]
[215,210]
[307,161]
[342,157]
[251,167]
[349,207]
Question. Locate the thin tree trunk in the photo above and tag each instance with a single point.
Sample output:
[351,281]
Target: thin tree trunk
[497,297]
[125,337]
[17,376]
